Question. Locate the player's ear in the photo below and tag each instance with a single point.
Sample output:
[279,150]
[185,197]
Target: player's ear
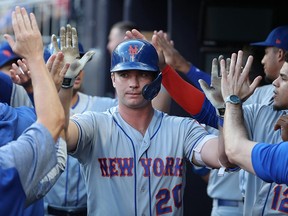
[113,79]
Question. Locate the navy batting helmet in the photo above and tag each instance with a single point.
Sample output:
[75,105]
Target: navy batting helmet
[134,55]
[138,55]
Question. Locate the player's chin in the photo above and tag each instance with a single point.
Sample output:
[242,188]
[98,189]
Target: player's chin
[136,103]
[279,106]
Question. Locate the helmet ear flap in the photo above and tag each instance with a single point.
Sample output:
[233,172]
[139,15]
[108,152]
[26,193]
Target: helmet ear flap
[151,90]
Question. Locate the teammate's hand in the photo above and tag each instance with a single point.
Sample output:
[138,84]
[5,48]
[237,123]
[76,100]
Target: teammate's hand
[172,56]
[282,123]
[213,92]
[69,47]
[161,57]
[235,81]
[134,34]
[57,68]
[20,75]
[27,41]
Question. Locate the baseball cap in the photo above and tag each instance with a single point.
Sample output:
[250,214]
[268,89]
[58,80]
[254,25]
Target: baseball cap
[6,54]
[278,37]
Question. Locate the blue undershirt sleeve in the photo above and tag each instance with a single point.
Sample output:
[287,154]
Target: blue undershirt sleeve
[207,115]
[195,74]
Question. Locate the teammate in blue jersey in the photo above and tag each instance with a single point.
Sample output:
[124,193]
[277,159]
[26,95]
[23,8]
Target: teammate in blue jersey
[133,156]
[25,161]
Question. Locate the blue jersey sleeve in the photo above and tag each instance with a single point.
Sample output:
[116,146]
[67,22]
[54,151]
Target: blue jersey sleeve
[270,162]
[12,199]
[195,74]
[13,121]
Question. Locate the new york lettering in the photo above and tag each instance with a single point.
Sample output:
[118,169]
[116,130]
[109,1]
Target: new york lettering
[112,167]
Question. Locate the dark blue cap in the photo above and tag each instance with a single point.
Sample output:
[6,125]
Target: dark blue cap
[278,37]
[6,54]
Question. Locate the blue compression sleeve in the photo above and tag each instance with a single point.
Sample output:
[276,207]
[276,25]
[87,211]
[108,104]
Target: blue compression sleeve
[195,74]
[207,115]
[270,162]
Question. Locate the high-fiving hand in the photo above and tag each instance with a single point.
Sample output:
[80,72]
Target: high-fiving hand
[69,47]
[235,81]
[213,92]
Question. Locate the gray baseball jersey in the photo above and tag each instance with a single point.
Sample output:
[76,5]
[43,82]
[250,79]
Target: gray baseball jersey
[20,97]
[263,198]
[128,174]
[69,189]
[262,95]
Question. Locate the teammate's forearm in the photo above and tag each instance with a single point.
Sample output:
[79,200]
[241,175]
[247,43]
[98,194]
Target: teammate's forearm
[186,95]
[235,133]
[221,151]
[65,98]
[48,107]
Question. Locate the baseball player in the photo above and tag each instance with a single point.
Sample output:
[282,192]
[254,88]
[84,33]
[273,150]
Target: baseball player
[69,194]
[265,160]
[252,182]
[117,33]
[48,181]
[260,197]
[269,198]
[223,203]
[25,162]
[133,156]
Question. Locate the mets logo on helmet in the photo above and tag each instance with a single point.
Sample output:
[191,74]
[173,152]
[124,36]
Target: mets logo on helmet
[133,51]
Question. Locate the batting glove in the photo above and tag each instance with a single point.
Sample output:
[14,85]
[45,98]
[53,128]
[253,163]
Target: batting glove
[213,92]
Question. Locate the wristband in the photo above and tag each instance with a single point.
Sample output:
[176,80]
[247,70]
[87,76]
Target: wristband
[224,169]
[68,82]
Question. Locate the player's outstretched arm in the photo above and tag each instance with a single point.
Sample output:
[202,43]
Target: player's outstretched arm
[35,148]
[29,45]
[69,47]
[234,82]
